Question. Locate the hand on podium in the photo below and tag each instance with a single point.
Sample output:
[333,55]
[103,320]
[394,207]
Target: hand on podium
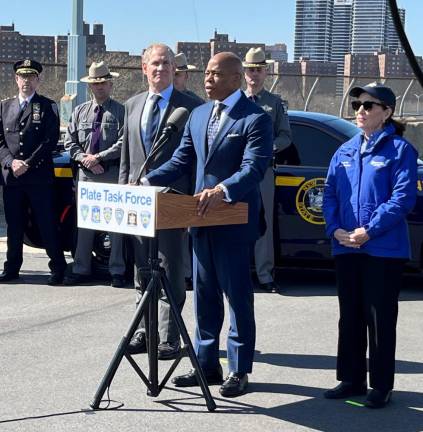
[209,199]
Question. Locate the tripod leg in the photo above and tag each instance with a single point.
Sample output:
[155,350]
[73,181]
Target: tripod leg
[211,405]
[152,338]
[120,352]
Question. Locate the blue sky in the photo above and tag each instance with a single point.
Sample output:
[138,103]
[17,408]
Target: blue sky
[131,25]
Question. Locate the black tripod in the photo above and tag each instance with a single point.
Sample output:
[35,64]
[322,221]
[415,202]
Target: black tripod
[148,308]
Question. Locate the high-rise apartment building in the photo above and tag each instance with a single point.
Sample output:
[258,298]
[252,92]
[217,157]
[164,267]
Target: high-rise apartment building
[341,33]
[313,30]
[373,29]
[392,41]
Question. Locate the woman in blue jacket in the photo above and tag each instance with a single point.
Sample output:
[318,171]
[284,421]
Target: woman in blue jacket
[370,188]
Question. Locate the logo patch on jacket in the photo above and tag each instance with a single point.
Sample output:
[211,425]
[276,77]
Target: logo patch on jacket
[379,163]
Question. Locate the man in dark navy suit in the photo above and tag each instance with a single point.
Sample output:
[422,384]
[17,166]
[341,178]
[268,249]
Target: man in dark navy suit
[230,141]
[29,131]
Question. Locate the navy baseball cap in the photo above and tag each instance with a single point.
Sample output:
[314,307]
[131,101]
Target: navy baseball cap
[378,91]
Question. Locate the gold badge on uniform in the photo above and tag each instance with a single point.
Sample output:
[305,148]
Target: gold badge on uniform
[36,113]
[27,63]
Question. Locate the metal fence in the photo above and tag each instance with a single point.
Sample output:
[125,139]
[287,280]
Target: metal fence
[325,94]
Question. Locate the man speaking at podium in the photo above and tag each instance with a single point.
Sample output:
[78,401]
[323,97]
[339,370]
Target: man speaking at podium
[230,141]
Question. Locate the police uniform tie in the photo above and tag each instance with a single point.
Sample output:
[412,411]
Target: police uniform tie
[23,108]
[153,121]
[253,98]
[96,131]
[213,126]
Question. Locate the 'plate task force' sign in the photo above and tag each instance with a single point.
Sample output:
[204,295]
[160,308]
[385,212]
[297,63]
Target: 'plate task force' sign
[117,208]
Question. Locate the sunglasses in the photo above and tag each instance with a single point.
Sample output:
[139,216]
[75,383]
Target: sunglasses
[367,105]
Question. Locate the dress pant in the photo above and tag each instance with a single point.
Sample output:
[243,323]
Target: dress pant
[221,267]
[17,200]
[368,290]
[171,248]
[83,253]
[264,255]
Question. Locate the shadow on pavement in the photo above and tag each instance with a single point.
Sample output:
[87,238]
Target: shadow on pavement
[323,362]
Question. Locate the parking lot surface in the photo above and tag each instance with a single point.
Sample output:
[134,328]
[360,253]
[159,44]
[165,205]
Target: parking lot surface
[56,343]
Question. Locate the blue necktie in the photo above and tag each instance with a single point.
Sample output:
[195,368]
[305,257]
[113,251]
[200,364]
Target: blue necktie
[153,121]
[213,126]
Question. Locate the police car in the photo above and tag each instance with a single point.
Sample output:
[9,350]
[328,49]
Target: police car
[300,170]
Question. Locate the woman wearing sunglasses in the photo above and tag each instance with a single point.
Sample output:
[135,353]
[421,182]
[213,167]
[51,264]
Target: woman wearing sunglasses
[370,188]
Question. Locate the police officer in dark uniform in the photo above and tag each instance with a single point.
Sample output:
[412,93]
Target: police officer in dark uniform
[29,131]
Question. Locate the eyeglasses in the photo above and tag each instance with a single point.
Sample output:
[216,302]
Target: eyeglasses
[367,105]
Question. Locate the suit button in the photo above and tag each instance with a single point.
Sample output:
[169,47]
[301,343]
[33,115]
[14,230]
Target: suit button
[22,124]
[21,143]
[7,129]
[36,128]
[21,154]
[21,133]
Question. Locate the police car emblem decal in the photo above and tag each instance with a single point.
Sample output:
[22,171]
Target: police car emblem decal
[309,201]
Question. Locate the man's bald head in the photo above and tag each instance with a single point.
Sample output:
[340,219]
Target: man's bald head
[223,75]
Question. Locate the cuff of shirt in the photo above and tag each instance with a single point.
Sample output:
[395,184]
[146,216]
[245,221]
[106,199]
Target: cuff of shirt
[225,191]
[145,182]
[8,161]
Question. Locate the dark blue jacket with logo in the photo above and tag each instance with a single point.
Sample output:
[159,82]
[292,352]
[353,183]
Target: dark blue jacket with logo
[375,190]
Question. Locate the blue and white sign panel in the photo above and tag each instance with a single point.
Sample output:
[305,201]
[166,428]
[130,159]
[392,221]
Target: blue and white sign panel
[118,208]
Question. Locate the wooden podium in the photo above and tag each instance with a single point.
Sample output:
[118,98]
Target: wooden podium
[171,211]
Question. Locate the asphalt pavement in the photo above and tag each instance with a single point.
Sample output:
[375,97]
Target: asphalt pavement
[56,343]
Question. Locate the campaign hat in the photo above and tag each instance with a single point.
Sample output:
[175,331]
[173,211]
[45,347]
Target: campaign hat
[99,72]
[182,63]
[256,57]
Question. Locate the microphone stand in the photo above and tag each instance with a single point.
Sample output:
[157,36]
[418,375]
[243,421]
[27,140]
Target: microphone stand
[148,308]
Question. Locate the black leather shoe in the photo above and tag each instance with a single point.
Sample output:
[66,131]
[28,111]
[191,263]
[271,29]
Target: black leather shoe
[190,379]
[377,398]
[138,344]
[235,384]
[55,279]
[118,281]
[269,287]
[346,389]
[8,276]
[76,279]
[168,350]
[188,284]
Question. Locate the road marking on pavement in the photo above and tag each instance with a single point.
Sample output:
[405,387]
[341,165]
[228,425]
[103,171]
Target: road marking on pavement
[358,404]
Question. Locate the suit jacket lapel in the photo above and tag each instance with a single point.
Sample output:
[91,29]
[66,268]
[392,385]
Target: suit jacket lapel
[14,113]
[138,116]
[233,116]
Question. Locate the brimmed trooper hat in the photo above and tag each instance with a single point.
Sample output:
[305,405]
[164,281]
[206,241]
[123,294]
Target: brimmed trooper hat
[99,72]
[181,63]
[256,57]
[378,91]
[27,66]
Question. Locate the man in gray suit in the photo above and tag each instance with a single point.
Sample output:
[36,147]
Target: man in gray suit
[145,117]
[92,139]
[255,68]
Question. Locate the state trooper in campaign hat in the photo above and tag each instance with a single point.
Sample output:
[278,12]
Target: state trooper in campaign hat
[29,131]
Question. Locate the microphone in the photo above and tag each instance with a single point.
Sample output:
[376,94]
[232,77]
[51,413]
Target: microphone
[174,124]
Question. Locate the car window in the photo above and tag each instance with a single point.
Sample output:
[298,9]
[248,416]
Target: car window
[315,147]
